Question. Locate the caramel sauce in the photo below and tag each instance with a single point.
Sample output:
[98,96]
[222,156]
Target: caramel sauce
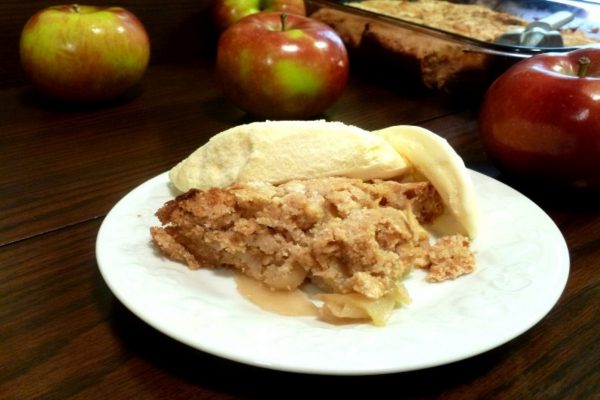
[290,303]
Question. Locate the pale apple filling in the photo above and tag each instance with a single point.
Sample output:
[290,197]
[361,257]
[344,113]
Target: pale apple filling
[335,308]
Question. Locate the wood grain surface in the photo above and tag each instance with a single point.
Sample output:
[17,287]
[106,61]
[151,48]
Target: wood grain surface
[63,335]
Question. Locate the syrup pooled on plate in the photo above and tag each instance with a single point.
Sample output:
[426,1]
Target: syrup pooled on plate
[283,302]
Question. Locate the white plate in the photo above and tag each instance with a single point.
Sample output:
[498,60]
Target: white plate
[522,268]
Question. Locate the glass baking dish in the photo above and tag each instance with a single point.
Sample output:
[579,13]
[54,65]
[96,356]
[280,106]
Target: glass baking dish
[446,58]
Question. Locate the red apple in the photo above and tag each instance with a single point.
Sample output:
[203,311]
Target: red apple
[84,53]
[280,66]
[541,118]
[226,12]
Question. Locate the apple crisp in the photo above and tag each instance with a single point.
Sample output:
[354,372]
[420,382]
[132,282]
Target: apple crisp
[471,20]
[346,236]
[440,63]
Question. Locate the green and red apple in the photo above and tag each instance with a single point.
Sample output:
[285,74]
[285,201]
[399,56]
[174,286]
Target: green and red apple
[278,66]
[227,12]
[84,53]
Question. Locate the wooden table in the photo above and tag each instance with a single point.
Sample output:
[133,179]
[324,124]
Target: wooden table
[64,335]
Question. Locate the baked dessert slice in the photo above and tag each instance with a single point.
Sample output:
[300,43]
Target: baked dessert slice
[347,236]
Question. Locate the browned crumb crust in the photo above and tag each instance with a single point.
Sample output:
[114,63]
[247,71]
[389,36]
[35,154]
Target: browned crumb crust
[450,258]
[472,20]
[345,235]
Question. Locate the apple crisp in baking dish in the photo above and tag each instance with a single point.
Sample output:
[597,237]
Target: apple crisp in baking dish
[444,64]
[471,20]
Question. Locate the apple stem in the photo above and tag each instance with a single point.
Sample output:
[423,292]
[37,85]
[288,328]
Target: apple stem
[584,64]
[283,17]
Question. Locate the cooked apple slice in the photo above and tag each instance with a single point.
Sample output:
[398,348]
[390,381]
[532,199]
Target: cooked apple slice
[434,158]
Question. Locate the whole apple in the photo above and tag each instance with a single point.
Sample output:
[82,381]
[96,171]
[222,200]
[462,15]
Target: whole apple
[227,12]
[541,118]
[84,53]
[280,66]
